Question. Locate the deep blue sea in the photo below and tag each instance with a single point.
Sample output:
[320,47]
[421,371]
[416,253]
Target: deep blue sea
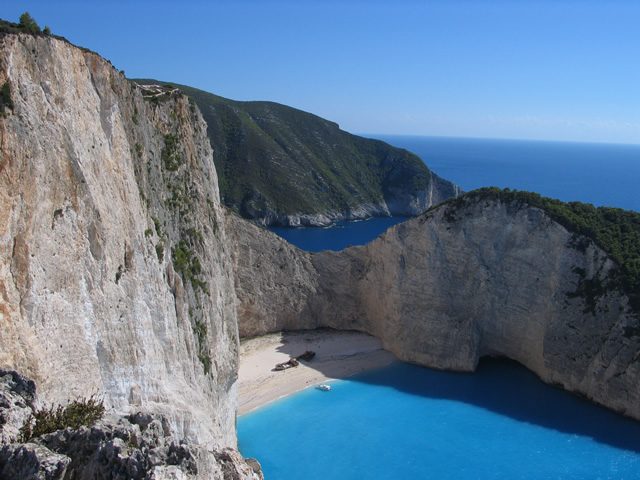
[404,421]
[339,237]
[600,174]
[603,174]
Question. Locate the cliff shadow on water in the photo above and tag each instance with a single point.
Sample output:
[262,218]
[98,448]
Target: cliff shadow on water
[508,389]
[499,385]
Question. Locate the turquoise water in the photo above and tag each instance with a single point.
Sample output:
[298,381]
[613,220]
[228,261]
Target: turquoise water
[403,421]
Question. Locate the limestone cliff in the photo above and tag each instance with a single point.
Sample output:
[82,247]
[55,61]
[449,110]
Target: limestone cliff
[274,280]
[443,290]
[115,273]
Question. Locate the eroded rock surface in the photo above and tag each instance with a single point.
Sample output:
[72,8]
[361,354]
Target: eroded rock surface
[137,446]
[446,288]
[274,280]
[115,272]
[17,395]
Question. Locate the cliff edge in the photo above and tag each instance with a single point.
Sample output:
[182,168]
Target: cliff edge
[115,279]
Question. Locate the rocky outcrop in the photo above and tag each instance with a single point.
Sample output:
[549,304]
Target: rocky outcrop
[398,202]
[137,446]
[449,287]
[115,271]
[267,217]
[17,396]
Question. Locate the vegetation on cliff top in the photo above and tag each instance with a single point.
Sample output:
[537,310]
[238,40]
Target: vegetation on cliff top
[614,230]
[27,25]
[270,157]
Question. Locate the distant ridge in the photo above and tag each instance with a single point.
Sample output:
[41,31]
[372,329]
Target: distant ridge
[281,166]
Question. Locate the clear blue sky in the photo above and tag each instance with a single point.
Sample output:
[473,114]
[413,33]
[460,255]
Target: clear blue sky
[561,70]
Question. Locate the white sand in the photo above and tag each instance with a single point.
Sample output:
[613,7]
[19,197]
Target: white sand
[338,355]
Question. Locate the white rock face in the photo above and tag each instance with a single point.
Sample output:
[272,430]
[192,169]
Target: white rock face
[90,212]
[497,280]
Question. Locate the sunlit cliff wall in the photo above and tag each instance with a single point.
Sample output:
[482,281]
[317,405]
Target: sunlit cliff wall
[115,277]
[448,287]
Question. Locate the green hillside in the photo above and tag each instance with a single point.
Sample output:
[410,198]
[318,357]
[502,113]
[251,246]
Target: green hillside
[271,157]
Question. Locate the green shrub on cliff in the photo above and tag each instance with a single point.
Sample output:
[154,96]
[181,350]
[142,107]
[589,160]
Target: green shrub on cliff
[28,24]
[171,159]
[187,264]
[84,412]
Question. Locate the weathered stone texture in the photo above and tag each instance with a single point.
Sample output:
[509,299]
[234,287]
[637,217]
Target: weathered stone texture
[17,395]
[274,280]
[443,291]
[90,213]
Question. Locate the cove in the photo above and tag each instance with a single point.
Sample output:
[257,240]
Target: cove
[404,421]
[338,237]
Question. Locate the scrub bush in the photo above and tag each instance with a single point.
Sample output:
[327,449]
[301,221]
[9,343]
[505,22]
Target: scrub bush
[84,412]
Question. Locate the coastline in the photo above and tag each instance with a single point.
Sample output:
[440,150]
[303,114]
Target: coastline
[339,354]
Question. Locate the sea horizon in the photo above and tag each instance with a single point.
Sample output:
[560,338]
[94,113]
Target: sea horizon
[379,136]
[601,174]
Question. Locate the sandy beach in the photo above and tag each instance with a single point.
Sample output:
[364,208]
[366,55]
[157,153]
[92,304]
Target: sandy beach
[338,355]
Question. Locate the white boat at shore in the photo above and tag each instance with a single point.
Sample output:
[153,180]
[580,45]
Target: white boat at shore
[324,387]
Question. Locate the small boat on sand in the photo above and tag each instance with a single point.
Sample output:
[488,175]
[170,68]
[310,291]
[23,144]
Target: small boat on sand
[289,364]
[294,361]
[306,356]
[324,387]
